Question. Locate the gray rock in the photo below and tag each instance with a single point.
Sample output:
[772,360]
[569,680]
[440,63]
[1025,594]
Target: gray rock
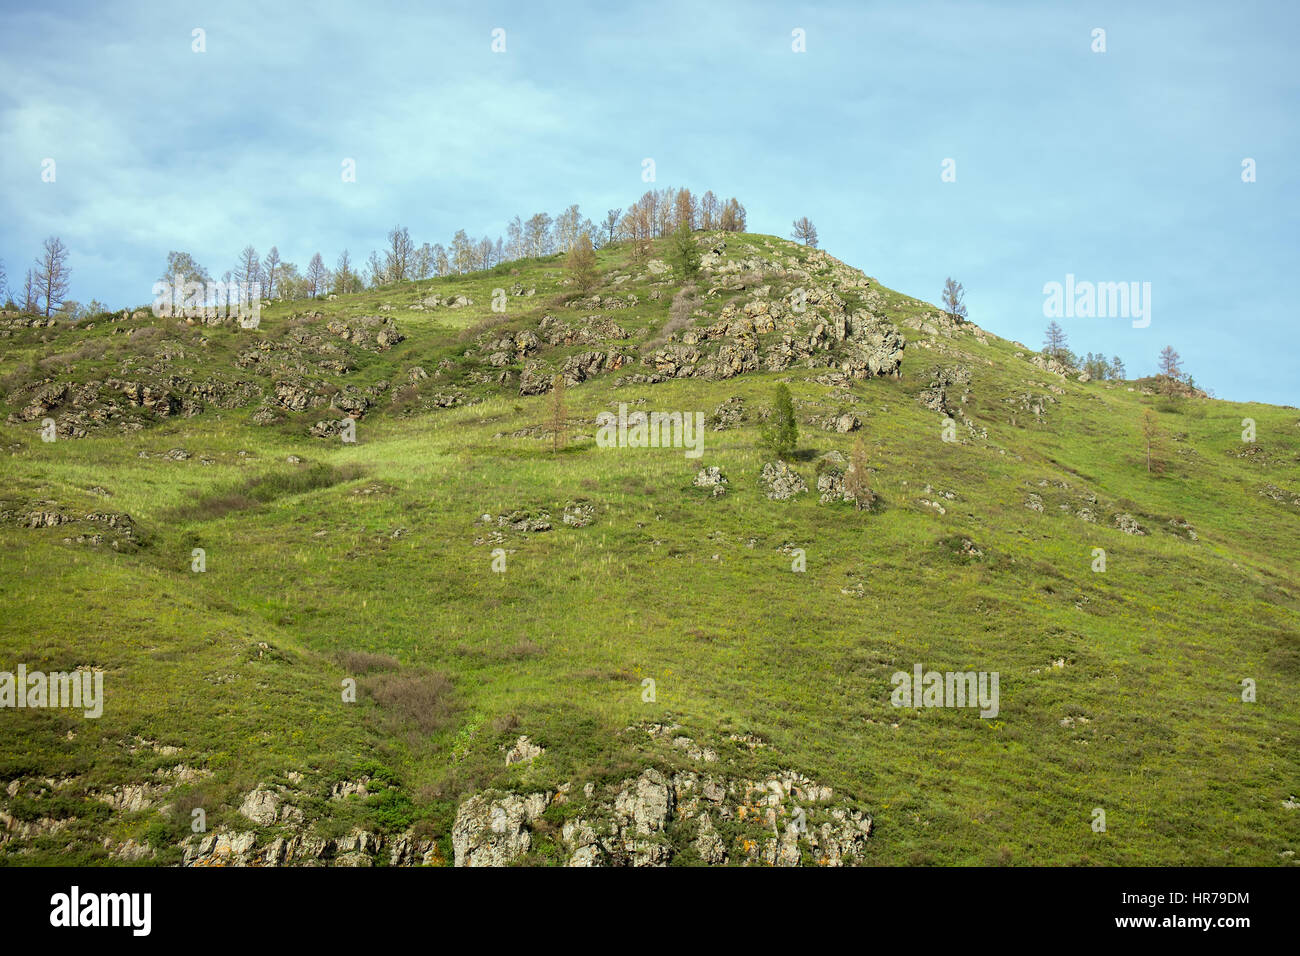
[711,477]
[780,482]
[261,806]
[1128,524]
[492,831]
[524,751]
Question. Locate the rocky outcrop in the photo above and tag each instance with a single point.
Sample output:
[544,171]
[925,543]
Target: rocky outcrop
[948,390]
[375,333]
[780,482]
[783,819]
[729,414]
[496,830]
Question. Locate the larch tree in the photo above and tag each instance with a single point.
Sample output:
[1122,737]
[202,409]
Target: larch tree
[685,253]
[249,267]
[271,272]
[559,415]
[581,263]
[709,211]
[1152,438]
[780,433]
[1171,369]
[805,231]
[318,277]
[1054,341]
[857,484]
[684,208]
[733,216]
[345,279]
[30,305]
[954,300]
[52,275]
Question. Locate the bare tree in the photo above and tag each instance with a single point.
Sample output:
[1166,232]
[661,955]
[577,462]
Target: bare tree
[709,211]
[345,279]
[52,274]
[377,275]
[537,235]
[1151,437]
[462,252]
[567,226]
[397,264]
[318,276]
[30,305]
[856,478]
[515,247]
[1171,367]
[270,272]
[422,264]
[559,415]
[610,225]
[805,231]
[953,296]
[249,267]
[733,216]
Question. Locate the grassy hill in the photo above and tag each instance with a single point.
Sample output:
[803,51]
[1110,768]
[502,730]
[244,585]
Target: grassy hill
[328,561]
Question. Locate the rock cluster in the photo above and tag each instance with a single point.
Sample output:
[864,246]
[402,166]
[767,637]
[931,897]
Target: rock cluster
[729,414]
[711,477]
[944,383]
[783,819]
[1128,524]
[780,482]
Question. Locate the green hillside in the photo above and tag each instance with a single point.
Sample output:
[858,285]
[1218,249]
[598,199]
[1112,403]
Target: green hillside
[327,561]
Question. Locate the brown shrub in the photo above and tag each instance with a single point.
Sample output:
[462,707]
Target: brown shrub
[363,662]
[420,699]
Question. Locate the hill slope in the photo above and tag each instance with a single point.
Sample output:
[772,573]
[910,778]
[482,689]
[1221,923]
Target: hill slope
[687,695]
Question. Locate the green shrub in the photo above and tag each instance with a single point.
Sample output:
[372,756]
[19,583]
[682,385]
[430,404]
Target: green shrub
[780,433]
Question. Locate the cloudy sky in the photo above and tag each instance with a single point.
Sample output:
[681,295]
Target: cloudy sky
[1115,166]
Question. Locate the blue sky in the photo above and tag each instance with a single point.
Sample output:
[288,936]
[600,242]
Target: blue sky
[1115,166]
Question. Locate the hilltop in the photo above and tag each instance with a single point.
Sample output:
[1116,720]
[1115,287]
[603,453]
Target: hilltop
[566,653]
